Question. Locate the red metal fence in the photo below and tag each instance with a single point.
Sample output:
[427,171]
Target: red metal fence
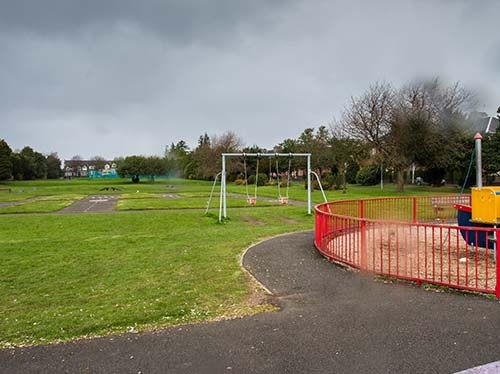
[413,238]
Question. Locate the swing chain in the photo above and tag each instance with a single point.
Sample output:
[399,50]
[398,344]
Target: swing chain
[246,175]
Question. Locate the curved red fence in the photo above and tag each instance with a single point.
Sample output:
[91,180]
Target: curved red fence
[412,238]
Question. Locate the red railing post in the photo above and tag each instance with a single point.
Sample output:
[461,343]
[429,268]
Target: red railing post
[414,209]
[362,228]
[318,225]
[497,263]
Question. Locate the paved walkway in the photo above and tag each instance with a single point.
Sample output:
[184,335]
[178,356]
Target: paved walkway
[332,321]
[4,204]
[92,204]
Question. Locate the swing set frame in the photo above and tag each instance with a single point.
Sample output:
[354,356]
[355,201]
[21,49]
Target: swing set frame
[223,192]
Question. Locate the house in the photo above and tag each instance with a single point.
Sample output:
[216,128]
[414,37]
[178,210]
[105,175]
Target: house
[89,169]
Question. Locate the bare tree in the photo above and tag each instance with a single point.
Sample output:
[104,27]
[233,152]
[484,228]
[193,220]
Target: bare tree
[413,124]
[368,117]
[99,162]
[207,155]
[227,142]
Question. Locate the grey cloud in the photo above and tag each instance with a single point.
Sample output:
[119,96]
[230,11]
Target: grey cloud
[179,21]
[121,77]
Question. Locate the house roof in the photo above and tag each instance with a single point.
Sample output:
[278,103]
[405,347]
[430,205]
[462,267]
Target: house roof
[486,125]
[76,163]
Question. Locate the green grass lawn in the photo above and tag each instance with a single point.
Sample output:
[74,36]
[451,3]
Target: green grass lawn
[22,190]
[63,197]
[182,203]
[68,276]
[43,204]
[40,206]
[64,277]
[140,195]
[298,192]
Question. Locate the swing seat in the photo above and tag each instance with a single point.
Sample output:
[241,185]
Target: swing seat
[283,200]
[251,200]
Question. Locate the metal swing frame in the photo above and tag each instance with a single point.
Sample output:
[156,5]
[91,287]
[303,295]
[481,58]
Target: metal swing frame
[223,192]
[283,199]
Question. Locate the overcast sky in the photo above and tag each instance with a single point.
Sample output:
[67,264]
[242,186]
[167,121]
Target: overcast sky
[121,77]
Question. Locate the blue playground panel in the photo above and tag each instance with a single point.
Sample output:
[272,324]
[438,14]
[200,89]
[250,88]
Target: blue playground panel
[99,174]
[473,237]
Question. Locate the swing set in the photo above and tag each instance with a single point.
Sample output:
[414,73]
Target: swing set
[252,199]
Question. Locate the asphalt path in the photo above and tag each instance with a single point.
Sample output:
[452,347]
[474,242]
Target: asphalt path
[92,204]
[331,320]
[4,204]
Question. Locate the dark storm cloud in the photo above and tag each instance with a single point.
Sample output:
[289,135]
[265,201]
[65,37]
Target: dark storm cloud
[122,77]
[178,21]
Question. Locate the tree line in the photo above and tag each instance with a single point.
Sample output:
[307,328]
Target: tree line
[27,164]
[426,126]
[388,131]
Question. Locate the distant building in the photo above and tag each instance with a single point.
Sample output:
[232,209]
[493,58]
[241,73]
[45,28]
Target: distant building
[89,169]
[486,124]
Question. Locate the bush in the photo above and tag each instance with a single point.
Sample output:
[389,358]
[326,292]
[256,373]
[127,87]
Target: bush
[434,176]
[331,181]
[262,179]
[352,172]
[368,176]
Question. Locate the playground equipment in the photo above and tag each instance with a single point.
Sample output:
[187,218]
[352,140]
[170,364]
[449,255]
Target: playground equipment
[212,192]
[253,199]
[283,199]
[223,199]
[483,211]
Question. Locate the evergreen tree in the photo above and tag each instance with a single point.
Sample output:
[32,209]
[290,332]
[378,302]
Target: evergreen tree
[29,164]
[491,153]
[53,166]
[5,161]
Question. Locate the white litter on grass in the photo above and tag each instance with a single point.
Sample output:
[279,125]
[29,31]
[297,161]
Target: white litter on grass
[463,260]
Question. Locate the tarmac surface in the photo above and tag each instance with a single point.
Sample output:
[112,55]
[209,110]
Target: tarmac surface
[331,320]
[4,204]
[92,204]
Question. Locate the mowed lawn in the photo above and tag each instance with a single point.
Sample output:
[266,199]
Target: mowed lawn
[69,276]
[64,277]
[182,203]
